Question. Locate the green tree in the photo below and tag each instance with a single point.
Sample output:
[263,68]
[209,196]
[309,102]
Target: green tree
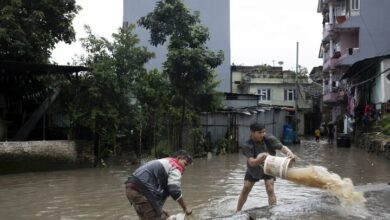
[302,71]
[152,92]
[29,29]
[190,64]
[103,102]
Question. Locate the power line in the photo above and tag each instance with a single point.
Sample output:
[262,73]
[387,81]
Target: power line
[367,80]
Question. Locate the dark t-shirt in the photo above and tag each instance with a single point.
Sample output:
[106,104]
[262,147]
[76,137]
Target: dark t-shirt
[251,149]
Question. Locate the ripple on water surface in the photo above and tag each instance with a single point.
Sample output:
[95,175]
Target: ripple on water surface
[210,187]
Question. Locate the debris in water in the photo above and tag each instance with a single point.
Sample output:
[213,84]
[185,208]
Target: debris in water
[180,216]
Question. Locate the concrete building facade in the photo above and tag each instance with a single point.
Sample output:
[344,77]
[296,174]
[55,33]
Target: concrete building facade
[275,87]
[353,31]
[214,14]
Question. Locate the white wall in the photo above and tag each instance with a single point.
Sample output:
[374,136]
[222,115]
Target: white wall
[381,92]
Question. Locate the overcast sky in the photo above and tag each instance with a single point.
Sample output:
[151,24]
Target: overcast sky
[262,31]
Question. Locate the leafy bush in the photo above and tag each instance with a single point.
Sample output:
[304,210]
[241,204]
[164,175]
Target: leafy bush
[163,149]
[223,145]
[200,141]
[385,124]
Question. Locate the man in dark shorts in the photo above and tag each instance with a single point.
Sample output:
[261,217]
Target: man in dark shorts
[256,149]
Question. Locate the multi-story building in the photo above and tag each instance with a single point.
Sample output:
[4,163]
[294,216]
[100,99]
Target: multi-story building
[215,15]
[315,90]
[320,113]
[275,87]
[353,31]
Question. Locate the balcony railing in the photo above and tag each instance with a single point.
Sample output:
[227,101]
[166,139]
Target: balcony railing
[329,64]
[330,97]
[349,52]
[340,19]
[327,32]
[333,95]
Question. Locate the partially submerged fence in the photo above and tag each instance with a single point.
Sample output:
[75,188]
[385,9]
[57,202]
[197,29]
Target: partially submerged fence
[235,124]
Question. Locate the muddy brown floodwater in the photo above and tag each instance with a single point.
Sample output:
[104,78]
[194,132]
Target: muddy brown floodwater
[210,186]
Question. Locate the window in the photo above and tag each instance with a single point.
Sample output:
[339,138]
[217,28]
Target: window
[355,4]
[265,94]
[289,94]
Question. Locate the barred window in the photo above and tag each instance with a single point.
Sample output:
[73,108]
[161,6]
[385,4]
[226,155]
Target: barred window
[289,94]
[265,94]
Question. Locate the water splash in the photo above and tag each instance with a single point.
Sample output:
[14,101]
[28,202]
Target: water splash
[180,216]
[320,177]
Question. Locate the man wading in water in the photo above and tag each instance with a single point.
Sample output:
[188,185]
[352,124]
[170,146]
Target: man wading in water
[256,150]
[150,185]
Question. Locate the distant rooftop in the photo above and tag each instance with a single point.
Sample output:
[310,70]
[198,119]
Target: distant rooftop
[257,68]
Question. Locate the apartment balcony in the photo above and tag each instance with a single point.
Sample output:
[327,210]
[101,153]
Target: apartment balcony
[328,32]
[340,19]
[349,57]
[275,80]
[333,96]
[330,98]
[330,64]
[258,80]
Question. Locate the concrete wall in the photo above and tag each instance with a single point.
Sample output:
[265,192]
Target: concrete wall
[236,77]
[240,100]
[214,14]
[277,93]
[44,155]
[277,86]
[381,91]
[374,31]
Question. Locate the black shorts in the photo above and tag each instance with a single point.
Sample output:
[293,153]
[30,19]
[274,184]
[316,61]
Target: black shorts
[250,178]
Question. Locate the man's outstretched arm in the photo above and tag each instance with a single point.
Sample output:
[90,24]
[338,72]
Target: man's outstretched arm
[286,151]
[184,206]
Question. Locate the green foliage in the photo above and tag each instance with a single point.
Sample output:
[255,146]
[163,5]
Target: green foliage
[153,99]
[200,141]
[168,18]
[385,124]
[263,68]
[223,145]
[162,150]
[102,103]
[152,91]
[303,72]
[29,30]
[190,64]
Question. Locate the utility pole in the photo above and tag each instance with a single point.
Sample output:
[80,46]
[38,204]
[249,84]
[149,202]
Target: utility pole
[296,89]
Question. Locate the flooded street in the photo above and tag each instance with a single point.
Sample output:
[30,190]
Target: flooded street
[210,187]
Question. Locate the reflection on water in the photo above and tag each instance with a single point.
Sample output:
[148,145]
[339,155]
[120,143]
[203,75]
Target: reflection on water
[211,187]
